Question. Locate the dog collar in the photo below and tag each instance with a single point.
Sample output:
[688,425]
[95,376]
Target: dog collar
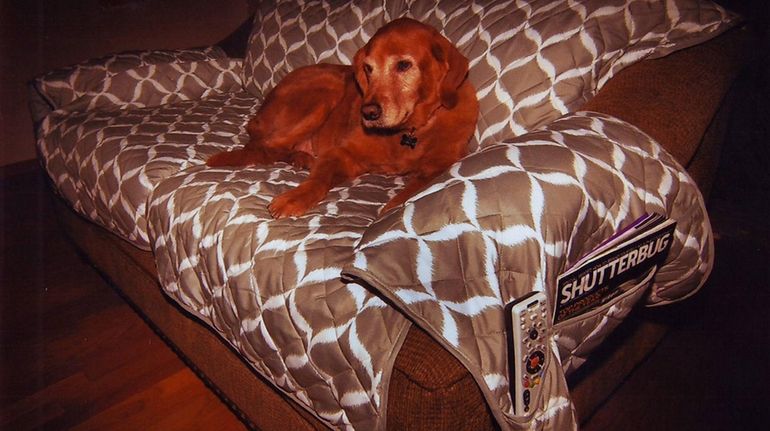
[408,139]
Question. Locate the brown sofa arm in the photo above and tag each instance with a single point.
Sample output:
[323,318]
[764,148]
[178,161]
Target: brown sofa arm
[675,98]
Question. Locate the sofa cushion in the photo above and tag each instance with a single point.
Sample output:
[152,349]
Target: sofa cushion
[287,35]
[160,84]
[531,62]
[106,163]
[63,86]
[272,288]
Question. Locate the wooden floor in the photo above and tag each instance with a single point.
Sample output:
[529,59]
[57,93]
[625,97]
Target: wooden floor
[74,355]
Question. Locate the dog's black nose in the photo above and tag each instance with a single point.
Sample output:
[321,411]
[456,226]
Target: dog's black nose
[371,111]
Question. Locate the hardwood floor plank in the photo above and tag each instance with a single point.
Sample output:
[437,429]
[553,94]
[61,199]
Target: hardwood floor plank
[74,354]
[161,407]
[43,406]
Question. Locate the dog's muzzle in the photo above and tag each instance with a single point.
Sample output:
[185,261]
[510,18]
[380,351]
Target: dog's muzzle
[371,111]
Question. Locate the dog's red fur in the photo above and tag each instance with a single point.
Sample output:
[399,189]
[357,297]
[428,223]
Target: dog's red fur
[344,121]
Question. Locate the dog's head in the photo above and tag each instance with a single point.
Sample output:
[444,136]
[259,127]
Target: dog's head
[405,72]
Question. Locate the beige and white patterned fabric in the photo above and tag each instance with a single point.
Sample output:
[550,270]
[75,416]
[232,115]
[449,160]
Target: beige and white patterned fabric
[272,288]
[530,61]
[93,77]
[161,84]
[106,163]
[509,219]
[126,148]
[503,222]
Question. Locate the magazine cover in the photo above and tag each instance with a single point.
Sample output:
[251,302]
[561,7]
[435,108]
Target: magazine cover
[599,276]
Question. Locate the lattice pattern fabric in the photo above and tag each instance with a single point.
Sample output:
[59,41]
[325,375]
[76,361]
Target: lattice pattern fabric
[106,163]
[63,86]
[272,288]
[531,61]
[161,84]
[508,220]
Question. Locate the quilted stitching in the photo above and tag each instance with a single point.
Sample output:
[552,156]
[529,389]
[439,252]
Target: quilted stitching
[531,61]
[272,287]
[63,86]
[160,84]
[106,163]
[512,218]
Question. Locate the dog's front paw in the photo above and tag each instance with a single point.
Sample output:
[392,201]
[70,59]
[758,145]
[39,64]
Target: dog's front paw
[289,204]
[301,160]
[226,158]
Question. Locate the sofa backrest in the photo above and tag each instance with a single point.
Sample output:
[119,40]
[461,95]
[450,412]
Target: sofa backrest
[291,34]
[531,60]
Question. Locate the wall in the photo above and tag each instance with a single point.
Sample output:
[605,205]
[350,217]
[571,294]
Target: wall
[39,35]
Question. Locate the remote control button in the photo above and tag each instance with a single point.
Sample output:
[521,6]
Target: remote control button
[526,400]
[535,362]
[533,334]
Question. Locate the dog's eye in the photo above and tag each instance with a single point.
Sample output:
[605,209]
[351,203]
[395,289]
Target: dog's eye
[403,65]
[367,69]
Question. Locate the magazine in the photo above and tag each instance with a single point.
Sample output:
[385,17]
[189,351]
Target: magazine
[599,276]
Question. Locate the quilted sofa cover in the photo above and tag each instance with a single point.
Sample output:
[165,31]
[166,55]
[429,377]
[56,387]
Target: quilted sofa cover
[320,304]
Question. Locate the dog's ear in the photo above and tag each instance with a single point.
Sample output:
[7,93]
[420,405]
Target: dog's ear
[358,69]
[457,69]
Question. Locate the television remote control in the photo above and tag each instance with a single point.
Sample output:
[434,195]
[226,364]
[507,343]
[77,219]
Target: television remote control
[528,337]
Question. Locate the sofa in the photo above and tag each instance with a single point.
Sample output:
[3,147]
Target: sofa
[592,114]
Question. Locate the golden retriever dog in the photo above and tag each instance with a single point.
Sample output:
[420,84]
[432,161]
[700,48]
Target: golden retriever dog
[405,107]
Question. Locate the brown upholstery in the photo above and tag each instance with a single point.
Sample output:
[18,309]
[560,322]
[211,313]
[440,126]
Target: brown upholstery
[674,99]
[429,380]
